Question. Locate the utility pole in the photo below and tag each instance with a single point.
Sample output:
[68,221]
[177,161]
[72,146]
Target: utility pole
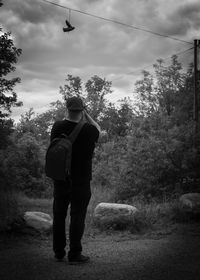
[196,85]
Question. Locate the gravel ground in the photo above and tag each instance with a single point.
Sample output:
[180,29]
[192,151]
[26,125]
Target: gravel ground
[174,256]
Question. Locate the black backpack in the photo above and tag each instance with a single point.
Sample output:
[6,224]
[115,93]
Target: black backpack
[59,154]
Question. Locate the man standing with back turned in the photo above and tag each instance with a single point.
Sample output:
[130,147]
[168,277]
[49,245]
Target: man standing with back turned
[76,189]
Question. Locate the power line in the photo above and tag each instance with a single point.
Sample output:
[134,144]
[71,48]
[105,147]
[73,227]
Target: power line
[118,22]
[130,26]
[150,65]
[166,58]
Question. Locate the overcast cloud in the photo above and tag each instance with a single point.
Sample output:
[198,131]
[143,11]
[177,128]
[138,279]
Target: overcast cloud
[95,47]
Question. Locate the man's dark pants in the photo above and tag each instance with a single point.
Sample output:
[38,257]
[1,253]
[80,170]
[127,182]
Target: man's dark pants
[78,196]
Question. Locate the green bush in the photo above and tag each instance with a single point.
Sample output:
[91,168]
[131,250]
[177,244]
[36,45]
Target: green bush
[160,163]
[9,212]
[24,167]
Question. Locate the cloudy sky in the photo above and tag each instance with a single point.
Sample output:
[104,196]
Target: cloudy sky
[95,47]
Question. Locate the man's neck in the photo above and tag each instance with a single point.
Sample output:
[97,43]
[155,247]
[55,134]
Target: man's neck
[74,116]
[76,119]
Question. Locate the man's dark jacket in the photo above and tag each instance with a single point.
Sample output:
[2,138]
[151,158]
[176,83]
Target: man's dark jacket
[82,148]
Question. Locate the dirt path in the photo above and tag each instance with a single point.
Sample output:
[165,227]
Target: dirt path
[170,257]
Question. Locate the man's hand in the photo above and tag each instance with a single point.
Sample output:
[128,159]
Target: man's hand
[85,117]
[90,120]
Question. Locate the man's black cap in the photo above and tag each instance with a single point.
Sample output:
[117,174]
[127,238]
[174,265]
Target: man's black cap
[75,104]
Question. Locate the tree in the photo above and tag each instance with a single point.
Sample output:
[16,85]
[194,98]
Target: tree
[40,125]
[8,58]
[92,93]
[165,150]
[109,121]
[168,94]
[97,88]
[183,107]
[24,165]
[73,87]
[117,121]
[126,116]
[147,100]
[169,81]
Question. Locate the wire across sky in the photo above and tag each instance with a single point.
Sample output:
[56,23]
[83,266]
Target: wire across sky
[118,22]
[128,26]
[150,65]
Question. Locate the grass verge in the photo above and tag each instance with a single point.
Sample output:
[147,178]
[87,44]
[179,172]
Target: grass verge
[9,210]
[152,216]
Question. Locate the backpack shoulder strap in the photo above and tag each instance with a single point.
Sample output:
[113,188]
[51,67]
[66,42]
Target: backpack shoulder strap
[76,131]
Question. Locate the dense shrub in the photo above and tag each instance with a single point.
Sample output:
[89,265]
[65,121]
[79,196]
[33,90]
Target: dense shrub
[109,163]
[23,166]
[151,163]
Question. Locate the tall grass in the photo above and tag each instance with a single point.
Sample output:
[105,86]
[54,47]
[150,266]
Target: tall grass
[9,211]
[151,216]
[45,205]
[34,204]
[99,194]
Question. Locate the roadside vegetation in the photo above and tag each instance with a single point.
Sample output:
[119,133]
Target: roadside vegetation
[147,156]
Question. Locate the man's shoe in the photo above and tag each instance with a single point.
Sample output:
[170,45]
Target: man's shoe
[68,29]
[79,259]
[60,256]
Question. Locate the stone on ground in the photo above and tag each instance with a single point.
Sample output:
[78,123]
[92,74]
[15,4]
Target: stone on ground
[191,201]
[115,215]
[38,220]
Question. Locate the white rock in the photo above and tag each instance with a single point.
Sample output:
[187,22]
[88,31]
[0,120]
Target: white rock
[110,213]
[38,220]
[191,201]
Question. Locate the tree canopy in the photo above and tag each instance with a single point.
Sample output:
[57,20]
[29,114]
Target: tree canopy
[147,148]
[8,58]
